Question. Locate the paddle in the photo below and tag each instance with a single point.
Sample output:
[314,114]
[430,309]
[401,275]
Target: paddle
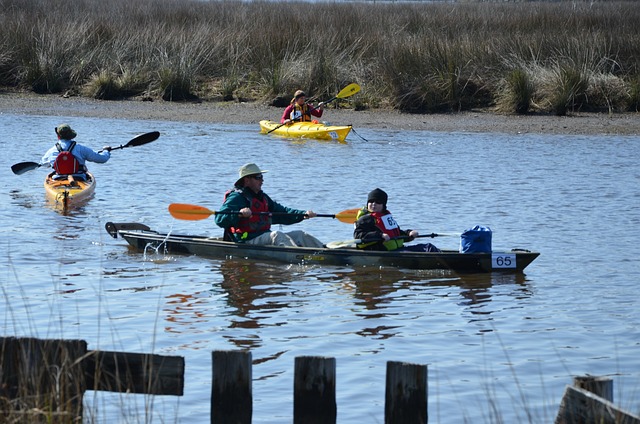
[139,140]
[22,167]
[348,91]
[353,243]
[195,213]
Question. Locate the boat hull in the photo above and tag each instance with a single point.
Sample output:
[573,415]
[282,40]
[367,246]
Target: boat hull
[306,130]
[141,237]
[68,192]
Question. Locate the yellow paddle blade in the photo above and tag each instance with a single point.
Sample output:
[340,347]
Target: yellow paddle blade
[349,90]
[189,212]
[348,216]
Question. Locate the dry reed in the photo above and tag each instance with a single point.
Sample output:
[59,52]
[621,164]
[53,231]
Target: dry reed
[416,57]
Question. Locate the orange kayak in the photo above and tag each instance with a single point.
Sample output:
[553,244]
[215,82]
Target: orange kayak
[67,191]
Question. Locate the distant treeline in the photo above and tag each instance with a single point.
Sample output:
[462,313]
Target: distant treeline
[422,57]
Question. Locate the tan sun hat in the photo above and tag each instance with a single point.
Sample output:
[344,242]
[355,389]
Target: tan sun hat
[65,132]
[249,169]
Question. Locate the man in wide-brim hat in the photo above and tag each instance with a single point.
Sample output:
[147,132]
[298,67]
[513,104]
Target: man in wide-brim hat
[248,212]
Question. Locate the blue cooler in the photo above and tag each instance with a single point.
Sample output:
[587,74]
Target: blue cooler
[476,240]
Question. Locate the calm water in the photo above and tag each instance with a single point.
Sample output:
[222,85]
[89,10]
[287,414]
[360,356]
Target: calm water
[513,341]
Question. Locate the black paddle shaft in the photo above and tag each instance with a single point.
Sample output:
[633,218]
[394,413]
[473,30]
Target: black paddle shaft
[140,140]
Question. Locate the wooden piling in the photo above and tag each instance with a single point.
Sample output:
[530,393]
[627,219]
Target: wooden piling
[314,390]
[599,386]
[406,394]
[45,380]
[231,396]
[46,375]
[589,402]
[134,373]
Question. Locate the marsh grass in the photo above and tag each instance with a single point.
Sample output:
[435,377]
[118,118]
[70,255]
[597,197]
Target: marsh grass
[48,395]
[102,86]
[516,94]
[634,95]
[106,85]
[416,57]
[567,90]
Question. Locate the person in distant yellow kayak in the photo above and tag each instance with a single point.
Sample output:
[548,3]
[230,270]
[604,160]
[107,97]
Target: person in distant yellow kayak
[301,111]
[247,214]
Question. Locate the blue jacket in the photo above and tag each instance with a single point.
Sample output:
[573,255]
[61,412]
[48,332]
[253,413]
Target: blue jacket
[82,153]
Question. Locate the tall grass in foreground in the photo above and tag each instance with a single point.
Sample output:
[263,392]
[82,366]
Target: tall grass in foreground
[553,57]
[57,393]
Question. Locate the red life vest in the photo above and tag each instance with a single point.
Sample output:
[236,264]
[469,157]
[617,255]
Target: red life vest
[258,222]
[386,223]
[65,162]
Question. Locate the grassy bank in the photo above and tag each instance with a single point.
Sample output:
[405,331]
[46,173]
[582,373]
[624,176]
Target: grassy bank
[416,57]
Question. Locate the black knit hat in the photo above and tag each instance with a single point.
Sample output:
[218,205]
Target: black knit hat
[378,196]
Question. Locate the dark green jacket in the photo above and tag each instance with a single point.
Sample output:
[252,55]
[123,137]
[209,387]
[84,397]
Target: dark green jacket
[237,200]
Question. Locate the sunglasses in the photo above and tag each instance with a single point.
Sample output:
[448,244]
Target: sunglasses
[257,177]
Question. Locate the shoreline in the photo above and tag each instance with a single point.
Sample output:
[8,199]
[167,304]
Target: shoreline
[480,121]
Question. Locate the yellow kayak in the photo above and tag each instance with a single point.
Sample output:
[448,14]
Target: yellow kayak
[306,130]
[67,191]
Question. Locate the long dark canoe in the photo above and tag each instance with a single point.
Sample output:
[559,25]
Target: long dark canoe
[142,237]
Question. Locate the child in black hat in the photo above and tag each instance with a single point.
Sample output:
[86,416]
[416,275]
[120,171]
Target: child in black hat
[378,230]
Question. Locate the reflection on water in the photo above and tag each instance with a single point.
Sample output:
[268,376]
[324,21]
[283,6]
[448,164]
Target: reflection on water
[29,200]
[73,208]
[23,200]
[184,309]
[70,226]
[258,294]
[255,292]
[375,287]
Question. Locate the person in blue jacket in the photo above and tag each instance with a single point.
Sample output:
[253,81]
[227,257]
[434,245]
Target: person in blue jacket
[248,212]
[80,153]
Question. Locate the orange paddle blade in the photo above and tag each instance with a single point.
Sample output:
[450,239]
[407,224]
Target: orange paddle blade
[189,212]
[348,216]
